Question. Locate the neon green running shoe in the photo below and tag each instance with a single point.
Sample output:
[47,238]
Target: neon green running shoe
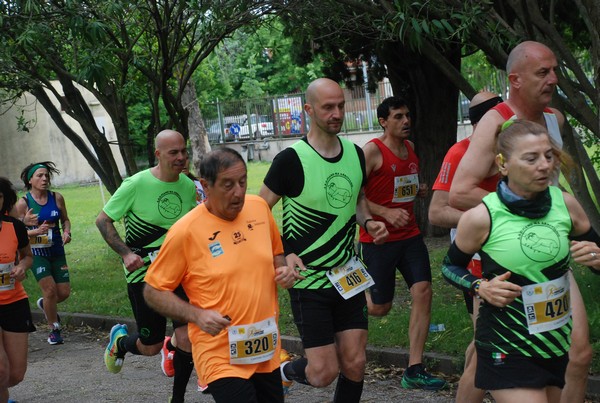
[422,380]
[112,358]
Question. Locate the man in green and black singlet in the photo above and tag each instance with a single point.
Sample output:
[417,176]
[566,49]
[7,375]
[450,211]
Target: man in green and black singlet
[320,180]
[149,203]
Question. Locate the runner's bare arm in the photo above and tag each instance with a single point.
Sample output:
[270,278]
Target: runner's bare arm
[108,231]
[364,218]
[440,211]
[268,195]
[475,166]
[170,305]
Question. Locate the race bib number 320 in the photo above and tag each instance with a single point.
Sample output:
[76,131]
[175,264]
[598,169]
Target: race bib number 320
[250,344]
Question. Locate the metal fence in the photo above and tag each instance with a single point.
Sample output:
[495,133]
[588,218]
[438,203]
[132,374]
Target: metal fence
[283,116]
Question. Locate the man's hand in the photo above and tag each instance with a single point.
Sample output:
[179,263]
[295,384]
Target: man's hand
[132,262]
[292,260]
[66,237]
[498,291]
[378,231]
[286,276]
[423,190]
[212,322]
[396,216]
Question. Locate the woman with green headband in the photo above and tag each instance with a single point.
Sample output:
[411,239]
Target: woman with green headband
[45,214]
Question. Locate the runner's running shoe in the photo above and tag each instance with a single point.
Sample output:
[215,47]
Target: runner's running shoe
[166,362]
[112,358]
[202,388]
[422,380]
[285,359]
[54,337]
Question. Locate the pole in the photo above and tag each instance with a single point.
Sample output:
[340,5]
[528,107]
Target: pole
[367,95]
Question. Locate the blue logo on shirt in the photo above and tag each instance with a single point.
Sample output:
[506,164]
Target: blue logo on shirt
[215,249]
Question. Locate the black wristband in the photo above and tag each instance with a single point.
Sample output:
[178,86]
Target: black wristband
[365,223]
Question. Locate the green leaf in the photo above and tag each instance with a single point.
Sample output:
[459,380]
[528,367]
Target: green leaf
[425,27]
[416,26]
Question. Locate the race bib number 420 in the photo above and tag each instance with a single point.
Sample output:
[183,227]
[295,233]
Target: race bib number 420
[250,344]
[547,305]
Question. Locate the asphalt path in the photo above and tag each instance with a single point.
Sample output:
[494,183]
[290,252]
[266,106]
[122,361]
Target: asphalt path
[75,372]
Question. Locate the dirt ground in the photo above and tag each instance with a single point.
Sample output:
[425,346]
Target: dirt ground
[75,372]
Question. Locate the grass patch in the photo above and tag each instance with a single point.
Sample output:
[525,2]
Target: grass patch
[99,287]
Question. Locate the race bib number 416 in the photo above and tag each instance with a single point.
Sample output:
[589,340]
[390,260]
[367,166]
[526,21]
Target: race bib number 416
[351,278]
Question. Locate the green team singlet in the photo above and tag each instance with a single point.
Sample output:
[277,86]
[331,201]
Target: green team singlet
[320,223]
[149,207]
[534,251]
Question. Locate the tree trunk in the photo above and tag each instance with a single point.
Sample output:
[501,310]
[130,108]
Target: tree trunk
[100,159]
[433,101]
[197,131]
[576,177]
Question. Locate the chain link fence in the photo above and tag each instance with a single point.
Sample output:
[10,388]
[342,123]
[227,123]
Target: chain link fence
[283,116]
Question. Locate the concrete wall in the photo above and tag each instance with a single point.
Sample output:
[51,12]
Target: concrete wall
[267,149]
[45,142]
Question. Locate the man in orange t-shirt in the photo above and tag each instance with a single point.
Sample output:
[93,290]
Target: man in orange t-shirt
[228,256]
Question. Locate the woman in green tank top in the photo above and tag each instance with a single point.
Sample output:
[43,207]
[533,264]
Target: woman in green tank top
[526,232]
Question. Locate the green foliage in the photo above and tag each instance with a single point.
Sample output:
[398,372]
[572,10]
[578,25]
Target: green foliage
[476,69]
[253,63]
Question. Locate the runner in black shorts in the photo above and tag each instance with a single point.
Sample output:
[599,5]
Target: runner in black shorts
[527,233]
[409,256]
[318,233]
[393,183]
[149,203]
[320,314]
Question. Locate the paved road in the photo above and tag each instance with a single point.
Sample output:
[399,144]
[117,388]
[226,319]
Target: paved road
[75,372]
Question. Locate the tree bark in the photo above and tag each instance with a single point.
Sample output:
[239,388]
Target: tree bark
[101,159]
[196,128]
[432,98]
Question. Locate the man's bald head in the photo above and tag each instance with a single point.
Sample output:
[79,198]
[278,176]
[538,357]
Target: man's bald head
[520,54]
[481,103]
[171,152]
[481,97]
[320,86]
[166,136]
